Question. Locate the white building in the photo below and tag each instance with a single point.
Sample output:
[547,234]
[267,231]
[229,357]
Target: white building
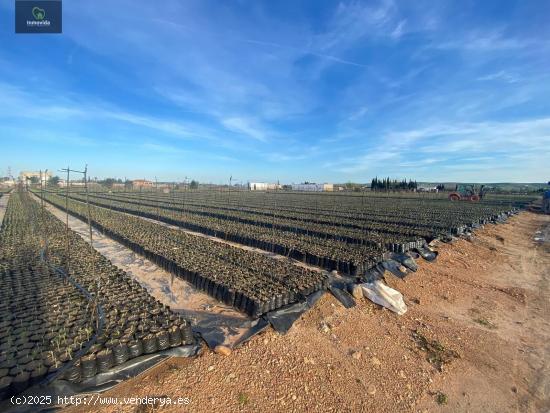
[74,184]
[427,189]
[262,186]
[313,187]
[26,176]
[7,182]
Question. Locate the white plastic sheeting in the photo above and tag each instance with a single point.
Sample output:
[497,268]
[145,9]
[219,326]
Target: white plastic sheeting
[381,294]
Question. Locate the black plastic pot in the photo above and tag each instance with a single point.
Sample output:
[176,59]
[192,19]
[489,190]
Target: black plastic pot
[89,366]
[135,348]
[120,353]
[105,360]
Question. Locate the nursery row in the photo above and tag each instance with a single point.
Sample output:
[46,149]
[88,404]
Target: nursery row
[329,252]
[246,280]
[351,218]
[350,239]
[69,314]
[331,224]
[436,215]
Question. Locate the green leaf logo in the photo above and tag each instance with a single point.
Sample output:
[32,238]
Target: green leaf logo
[38,13]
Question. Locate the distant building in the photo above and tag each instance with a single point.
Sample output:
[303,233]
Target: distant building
[6,182]
[141,183]
[262,186]
[25,176]
[63,183]
[311,187]
[427,189]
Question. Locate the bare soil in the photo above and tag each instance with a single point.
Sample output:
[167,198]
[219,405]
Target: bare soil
[476,338]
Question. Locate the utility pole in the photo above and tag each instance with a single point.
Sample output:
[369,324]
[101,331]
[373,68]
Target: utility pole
[183,201]
[229,193]
[67,256]
[85,173]
[157,197]
[88,204]
[44,233]
[273,207]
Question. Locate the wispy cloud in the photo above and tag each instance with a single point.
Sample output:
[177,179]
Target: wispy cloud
[305,51]
[358,114]
[245,127]
[162,148]
[486,142]
[352,21]
[501,75]
[484,41]
[399,30]
[50,106]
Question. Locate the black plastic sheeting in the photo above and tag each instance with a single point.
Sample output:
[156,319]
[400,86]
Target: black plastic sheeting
[394,267]
[343,296]
[375,273]
[282,319]
[218,329]
[406,261]
[426,253]
[230,331]
[100,382]
[399,264]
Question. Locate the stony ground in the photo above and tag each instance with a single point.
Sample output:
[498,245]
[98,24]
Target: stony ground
[476,338]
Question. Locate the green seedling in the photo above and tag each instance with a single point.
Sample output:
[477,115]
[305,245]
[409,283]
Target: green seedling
[485,323]
[437,354]
[243,399]
[441,398]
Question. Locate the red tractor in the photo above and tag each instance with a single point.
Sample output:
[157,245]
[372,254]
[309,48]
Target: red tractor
[470,193]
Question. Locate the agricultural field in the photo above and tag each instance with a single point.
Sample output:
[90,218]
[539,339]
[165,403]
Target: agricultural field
[349,234]
[350,230]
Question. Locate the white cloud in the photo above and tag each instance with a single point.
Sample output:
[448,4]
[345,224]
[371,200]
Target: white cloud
[304,51]
[484,41]
[500,75]
[162,148]
[352,21]
[245,127]
[50,107]
[465,147]
[399,30]
[359,113]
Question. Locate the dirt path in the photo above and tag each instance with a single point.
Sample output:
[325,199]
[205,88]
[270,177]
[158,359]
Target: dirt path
[475,339]
[3,206]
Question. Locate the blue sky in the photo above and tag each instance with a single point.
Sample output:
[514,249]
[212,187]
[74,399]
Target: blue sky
[265,90]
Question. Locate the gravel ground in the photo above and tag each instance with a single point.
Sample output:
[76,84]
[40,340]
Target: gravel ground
[475,339]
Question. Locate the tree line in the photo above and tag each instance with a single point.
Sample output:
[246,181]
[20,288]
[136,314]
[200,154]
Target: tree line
[387,184]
